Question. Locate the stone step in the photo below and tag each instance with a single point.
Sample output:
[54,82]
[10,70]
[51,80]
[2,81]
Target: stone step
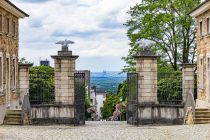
[13,117]
[202,122]
[13,120]
[14,112]
[202,116]
[202,119]
[202,112]
[13,123]
[201,109]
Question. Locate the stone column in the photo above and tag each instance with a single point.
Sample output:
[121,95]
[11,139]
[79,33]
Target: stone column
[146,67]
[24,79]
[188,80]
[64,76]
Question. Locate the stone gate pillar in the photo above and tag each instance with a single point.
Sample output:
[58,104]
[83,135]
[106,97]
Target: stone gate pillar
[188,80]
[64,76]
[146,67]
[24,79]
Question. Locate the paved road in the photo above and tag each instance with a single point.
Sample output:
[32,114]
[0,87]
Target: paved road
[105,131]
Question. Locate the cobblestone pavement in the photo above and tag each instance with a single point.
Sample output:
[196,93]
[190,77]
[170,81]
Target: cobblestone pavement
[105,131]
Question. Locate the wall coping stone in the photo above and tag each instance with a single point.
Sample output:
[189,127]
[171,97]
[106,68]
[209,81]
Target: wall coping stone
[65,57]
[25,65]
[159,105]
[188,65]
[53,105]
[146,56]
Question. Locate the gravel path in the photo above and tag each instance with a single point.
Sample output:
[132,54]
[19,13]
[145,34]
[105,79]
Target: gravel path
[105,131]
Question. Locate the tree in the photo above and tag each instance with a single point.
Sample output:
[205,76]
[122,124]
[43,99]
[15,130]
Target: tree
[122,91]
[167,25]
[109,105]
[114,100]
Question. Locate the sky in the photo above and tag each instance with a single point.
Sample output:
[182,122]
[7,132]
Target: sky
[96,27]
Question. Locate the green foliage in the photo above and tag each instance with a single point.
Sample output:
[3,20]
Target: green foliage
[170,87]
[109,105]
[87,105]
[122,94]
[112,100]
[169,28]
[42,84]
[24,61]
[122,91]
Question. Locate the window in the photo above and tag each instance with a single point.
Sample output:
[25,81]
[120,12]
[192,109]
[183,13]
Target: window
[1,74]
[8,25]
[8,78]
[201,28]
[208,29]
[14,73]
[1,25]
[14,28]
[201,73]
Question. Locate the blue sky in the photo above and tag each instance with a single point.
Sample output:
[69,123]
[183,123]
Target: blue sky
[95,25]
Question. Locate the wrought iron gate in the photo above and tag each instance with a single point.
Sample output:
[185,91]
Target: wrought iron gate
[132,108]
[79,98]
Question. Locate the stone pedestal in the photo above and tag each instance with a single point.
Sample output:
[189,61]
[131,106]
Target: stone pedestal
[64,76]
[146,67]
[188,80]
[24,79]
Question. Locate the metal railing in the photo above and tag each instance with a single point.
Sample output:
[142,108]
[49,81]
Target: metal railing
[132,107]
[41,89]
[170,88]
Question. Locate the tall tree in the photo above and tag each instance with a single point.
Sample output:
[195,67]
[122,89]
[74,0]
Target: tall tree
[167,25]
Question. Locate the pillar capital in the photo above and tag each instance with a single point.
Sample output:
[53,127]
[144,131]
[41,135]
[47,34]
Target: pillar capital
[24,66]
[146,54]
[188,65]
[73,57]
[146,57]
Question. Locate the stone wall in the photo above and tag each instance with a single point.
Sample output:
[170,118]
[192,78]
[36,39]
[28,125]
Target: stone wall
[58,114]
[160,114]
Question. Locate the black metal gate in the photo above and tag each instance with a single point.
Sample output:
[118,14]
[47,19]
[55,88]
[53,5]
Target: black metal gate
[79,99]
[132,108]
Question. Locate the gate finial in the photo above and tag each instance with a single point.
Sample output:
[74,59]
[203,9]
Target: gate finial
[65,44]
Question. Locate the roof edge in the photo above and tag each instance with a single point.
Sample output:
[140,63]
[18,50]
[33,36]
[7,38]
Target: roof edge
[199,6]
[18,9]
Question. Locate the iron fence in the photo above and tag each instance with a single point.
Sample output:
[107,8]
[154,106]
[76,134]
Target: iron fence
[132,107]
[41,88]
[195,87]
[170,88]
[79,98]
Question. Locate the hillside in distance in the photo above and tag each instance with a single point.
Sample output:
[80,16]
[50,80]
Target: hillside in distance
[107,81]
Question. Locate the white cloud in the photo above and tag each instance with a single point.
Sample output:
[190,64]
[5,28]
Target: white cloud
[95,25]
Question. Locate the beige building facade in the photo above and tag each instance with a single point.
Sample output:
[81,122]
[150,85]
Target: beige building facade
[202,15]
[9,45]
